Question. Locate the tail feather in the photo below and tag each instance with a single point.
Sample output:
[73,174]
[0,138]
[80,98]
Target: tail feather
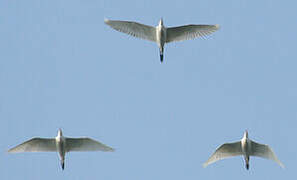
[161,53]
[62,164]
[247,162]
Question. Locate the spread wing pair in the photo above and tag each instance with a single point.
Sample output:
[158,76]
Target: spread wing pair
[49,145]
[146,32]
[234,149]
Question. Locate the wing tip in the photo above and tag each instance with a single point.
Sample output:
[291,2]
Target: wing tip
[108,149]
[12,150]
[111,150]
[204,165]
[106,21]
[217,26]
[281,165]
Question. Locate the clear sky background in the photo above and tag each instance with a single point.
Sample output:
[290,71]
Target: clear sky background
[62,67]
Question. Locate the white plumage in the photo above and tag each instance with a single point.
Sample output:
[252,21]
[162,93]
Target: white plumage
[161,34]
[60,144]
[245,147]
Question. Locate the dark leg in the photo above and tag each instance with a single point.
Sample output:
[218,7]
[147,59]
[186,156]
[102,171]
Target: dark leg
[161,54]
[161,58]
[62,164]
[247,160]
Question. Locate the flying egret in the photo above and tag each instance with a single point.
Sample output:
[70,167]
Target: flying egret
[245,147]
[60,144]
[161,34]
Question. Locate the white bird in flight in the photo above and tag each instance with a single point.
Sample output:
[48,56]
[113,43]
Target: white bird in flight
[60,144]
[161,34]
[245,147]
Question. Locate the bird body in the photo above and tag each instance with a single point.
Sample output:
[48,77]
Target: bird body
[161,34]
[245,147]
[60,144]
[61,147]
[161,38]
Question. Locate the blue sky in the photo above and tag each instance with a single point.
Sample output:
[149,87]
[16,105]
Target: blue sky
[62,67]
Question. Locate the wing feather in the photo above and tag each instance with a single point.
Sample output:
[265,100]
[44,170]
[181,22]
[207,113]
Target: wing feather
[36,145]
[187,32]
[134,29]
[85,144]
[224,151]
[264,151]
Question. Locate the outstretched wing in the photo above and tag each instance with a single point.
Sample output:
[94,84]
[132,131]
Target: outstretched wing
[187,32]
[264,151]
[134,29]
[36,145]
[224,151]
[85,144]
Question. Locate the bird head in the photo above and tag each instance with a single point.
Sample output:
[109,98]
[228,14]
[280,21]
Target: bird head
[60,132]
[246,134]
[161,22]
